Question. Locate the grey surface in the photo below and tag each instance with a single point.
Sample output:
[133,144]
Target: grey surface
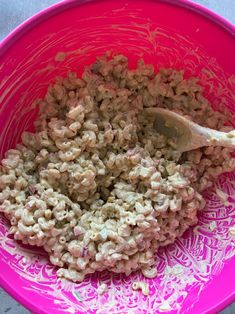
[12,13]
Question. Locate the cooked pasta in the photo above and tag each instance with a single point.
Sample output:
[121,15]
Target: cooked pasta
[96,186]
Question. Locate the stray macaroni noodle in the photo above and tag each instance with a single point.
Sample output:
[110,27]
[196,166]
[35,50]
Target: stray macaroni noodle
[140,285]
[96,186]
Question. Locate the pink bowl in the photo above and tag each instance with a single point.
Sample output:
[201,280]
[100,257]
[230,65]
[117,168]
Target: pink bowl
[196,274]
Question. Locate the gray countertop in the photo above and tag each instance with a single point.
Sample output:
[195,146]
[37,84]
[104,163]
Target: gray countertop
[12,13]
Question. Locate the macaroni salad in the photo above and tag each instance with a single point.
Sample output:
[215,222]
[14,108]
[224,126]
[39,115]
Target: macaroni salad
[96,186]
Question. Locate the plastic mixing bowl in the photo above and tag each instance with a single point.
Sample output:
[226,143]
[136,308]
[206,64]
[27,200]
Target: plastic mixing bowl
[196,274]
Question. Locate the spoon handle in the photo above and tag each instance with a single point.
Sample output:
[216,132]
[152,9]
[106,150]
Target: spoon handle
[214,138]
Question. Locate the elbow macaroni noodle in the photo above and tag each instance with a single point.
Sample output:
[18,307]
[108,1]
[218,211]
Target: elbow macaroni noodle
[142,286]
[96,186]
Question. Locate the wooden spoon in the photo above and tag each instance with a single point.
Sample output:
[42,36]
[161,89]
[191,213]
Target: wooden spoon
[188,135]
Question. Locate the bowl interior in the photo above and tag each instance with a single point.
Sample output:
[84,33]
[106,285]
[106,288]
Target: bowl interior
[69,37]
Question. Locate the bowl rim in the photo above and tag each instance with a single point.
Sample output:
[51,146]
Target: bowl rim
[57,8]
[54,9]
